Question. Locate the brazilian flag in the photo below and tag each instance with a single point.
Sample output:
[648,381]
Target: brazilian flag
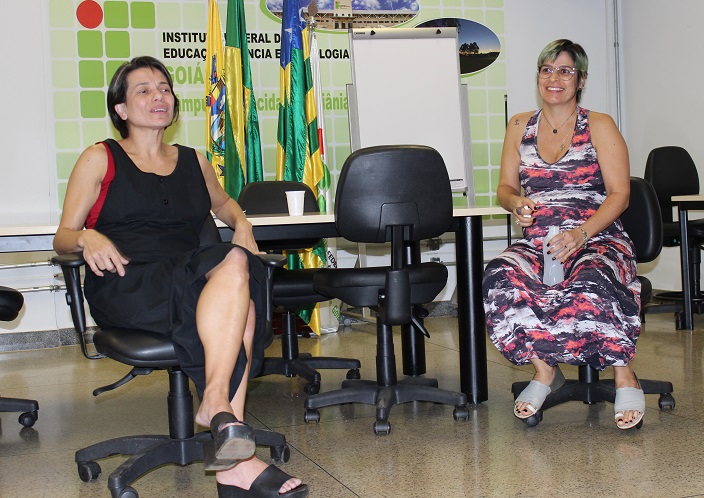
[243,152]
[298,155]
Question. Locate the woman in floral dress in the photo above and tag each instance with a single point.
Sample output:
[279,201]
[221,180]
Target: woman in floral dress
[565,166]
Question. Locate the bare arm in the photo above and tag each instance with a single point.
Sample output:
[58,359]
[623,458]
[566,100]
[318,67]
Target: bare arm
[509,189]
[226,209]
[81,194]
[612,152]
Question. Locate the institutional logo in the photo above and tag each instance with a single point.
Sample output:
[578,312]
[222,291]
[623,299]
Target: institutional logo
[103,44]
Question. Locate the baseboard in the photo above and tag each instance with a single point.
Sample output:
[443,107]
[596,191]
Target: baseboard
[23,341]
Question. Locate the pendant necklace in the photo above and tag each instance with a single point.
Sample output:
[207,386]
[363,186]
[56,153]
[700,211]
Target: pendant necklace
[554,130]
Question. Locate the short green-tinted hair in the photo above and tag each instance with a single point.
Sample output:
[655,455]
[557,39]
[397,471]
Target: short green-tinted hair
[581,62]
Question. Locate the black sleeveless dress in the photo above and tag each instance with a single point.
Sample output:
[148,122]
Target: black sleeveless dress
[155,221]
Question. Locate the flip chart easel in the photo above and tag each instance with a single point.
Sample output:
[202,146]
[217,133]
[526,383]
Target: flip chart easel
[406,90]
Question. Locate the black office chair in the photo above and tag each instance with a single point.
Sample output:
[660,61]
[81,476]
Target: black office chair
[399,194]
[292,289]
[145,352]
[671,171]
[643,224]
[11,303]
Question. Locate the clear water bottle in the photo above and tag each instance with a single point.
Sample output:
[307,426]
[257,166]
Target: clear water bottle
[553,272]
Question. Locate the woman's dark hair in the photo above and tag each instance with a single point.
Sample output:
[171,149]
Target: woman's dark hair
[117,91]
[574,50]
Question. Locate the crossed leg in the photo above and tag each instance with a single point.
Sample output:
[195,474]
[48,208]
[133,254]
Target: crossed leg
[225,318]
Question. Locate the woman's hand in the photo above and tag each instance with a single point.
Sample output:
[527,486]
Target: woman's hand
[101,254]
[565,244]
[244,237]
[523,209]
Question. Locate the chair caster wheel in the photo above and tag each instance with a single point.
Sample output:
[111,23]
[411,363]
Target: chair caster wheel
[666,401]
[27,419]
[679,320]
[312,415]
[311,388]
[382,427]
[353,374]
[128,492]
[280,454]
[534,420]
[88,471]
[461,412]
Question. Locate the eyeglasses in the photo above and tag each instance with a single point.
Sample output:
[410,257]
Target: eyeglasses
[564,72]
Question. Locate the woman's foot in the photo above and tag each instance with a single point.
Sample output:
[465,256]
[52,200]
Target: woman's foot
[244,474]
[629,405]
[233,440]
[209,407]
[546,380]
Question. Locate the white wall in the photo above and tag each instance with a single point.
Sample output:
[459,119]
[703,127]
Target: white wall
[662,92]
[27,171]
[538,22]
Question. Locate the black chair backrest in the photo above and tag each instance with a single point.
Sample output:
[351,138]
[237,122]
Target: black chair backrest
[642,220]
[269,197]
[671,171]
[11,303]
[393,185]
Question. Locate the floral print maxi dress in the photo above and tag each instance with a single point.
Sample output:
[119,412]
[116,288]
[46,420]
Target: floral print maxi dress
[592,317]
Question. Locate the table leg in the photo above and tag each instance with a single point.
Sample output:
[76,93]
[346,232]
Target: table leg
[686,276]
[412,339]
[470,309]
[413,350]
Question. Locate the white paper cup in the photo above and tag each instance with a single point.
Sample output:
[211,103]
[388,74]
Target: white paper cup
[294,199]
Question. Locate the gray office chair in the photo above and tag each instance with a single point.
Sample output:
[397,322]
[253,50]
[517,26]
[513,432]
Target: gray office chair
[399,194]
[145,352]
[11,303]
[292,289]
[643,224]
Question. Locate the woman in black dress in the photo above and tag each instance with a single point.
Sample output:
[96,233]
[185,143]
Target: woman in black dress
[135,208]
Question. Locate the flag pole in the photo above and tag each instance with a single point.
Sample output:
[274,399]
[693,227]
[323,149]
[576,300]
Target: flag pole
[329,310]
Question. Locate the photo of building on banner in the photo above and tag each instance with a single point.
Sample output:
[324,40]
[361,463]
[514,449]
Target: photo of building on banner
[299,152]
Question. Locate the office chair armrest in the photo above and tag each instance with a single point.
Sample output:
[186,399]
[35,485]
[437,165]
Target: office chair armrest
[70,260]
[272,260]
[71,268]
[395,305]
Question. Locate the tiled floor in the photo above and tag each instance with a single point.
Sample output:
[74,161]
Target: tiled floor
[576,451]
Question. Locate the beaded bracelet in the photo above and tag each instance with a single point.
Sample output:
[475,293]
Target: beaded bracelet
[585,237]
